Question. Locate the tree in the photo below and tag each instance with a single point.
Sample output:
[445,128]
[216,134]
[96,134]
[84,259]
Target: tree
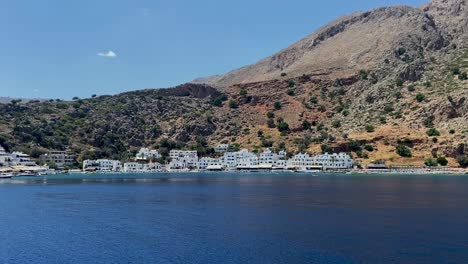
[93,96]
[420,97]
[442,161]
[432,132]
[403,151]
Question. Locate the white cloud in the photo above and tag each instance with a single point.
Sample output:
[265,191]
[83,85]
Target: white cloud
[109,54]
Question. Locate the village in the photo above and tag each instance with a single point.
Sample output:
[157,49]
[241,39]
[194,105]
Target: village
[21,164]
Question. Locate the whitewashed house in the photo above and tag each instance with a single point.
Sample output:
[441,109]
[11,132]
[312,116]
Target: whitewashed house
[146,154]
[132,167]
[102,165]
[242,158]
[206,163]
[300,160]
[181,159]
[21,159]
[5,158]
[334,161]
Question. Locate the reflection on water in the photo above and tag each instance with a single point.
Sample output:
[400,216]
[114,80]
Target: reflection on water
[231,218]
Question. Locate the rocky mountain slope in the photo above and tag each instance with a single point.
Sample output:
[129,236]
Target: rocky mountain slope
[372,83]
[365,40]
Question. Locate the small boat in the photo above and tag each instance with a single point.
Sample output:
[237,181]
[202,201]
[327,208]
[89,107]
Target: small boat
[6,175]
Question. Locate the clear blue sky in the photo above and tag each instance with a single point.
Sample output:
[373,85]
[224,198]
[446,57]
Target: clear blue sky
[49,49]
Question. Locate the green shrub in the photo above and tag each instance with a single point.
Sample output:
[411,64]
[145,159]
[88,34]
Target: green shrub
[271,123]
[243,92]
[291,84]
[442,161]
[463,161]
[432,132]
[354,145]
[369,148]
[260,133]
[313,99]
[383,120]
[455,70]
[463,76]
[326,148]
[435,140]
[282,126]
[363,74]
[271,115]
[399,82]
[370,128]
[278,105]
[430,162]
[233,104]
[306,125]
[336,123]
[420,97]
[283,74]
[403,151]
[291,92]
[411,88]
[452,131]
[389,108]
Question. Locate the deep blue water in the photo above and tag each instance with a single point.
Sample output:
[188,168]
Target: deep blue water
[227,218]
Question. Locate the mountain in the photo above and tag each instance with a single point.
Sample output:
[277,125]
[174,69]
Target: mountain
[372,83]
[364,40]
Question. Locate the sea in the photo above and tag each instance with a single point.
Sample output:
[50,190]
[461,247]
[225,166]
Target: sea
[234,218]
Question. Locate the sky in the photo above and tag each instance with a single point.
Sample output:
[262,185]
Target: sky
[64,48]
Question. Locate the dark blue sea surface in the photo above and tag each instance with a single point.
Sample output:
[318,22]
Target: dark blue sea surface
[234,218]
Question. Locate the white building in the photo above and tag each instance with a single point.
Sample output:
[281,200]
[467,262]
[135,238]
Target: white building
[21,159]
[334,161]
[146,154]
[242,158]
[221,148]
[139,167]
[181,159]
[269,157]
[103,165]
[5,158]
[207,162]
[300,161]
